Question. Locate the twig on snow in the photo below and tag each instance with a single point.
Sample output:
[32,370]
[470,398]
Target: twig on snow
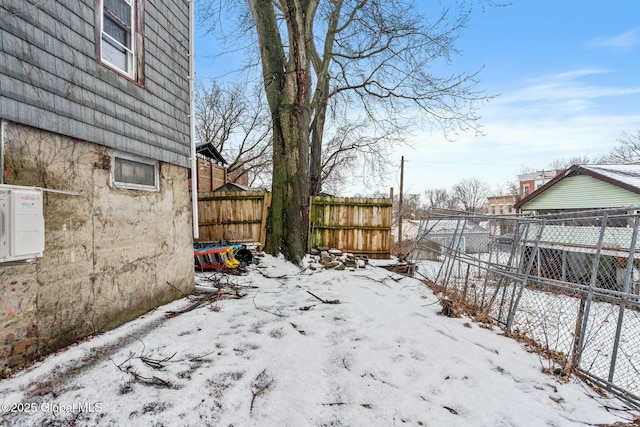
[283,276]
[378,280]
[262,309]
[324,301]
[154,363]
[259,385]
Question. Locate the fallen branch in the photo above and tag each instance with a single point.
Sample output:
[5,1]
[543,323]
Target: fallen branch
[335,301]
[199,301]
[233,293]
[453,411]
[202,357]
[262,309]
[283,276]
[300,331]
[378,280]
[153,381]
[174,313]
[259,385]
[156,363]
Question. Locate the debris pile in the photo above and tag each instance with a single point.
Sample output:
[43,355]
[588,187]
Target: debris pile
[336,259]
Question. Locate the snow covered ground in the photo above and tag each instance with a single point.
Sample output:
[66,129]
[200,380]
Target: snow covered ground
[379,355]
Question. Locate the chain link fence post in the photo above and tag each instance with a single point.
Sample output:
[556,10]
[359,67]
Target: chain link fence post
[585,303]
[628,276]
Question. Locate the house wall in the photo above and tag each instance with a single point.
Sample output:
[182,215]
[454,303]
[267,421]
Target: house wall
[582,192]
[532,187]
[110,254]
[494,203]
[535,180]
[51,78]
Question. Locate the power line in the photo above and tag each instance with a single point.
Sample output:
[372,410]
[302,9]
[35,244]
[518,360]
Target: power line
[462,163]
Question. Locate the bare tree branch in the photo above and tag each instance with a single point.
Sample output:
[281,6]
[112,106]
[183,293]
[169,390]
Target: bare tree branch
[471,193]
[235,120]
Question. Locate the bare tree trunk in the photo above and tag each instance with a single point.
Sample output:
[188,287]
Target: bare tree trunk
[287,229]
[287,84]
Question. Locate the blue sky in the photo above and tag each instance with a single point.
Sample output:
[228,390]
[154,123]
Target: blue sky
[568,77]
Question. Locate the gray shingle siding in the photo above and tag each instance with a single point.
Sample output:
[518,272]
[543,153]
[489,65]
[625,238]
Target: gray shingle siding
[50,78]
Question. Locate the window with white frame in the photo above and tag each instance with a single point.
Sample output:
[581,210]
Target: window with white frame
[133,172]
[118,49]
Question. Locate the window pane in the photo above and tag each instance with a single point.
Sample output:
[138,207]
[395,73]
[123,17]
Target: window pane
[131,172]
[115,54]
[120,9]
[116,31]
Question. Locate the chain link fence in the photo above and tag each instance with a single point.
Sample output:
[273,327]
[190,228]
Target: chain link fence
[567,283]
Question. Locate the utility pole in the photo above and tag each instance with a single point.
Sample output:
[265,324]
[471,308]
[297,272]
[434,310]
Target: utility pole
[400,201]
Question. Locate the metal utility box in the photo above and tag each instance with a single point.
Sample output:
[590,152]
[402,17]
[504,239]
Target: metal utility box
[21,223]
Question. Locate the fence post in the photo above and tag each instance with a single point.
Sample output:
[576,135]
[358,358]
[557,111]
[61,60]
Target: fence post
[466,283]
[454,248]
[628,275]
[585,305]
[514,305]
[520,238]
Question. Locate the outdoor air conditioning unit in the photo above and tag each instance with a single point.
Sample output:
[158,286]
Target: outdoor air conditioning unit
[21,223]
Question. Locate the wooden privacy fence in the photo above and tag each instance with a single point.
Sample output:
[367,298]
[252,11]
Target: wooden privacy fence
[352,224]
[210,175]
[357,225]
[233,216]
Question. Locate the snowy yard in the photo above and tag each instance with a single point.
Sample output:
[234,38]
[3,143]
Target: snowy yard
[379,355]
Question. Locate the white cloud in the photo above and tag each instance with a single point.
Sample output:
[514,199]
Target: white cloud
[550,118]
[622,42]
[565,86]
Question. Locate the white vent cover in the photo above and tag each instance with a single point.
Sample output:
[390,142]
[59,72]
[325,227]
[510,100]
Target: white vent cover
[21,223]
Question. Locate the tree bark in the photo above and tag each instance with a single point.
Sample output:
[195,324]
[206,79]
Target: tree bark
[287,84]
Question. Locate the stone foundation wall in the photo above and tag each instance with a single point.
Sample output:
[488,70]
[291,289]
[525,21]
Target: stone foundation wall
[110,254]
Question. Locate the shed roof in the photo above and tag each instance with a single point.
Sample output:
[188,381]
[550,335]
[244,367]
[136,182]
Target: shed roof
[208,150]
[451,226]
[232,186]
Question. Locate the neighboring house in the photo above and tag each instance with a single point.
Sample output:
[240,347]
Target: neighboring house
[501,205]
[409,230]
[95,110]
[530,182]
[584,187]
[498,208]
[443,234]
[567,245]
